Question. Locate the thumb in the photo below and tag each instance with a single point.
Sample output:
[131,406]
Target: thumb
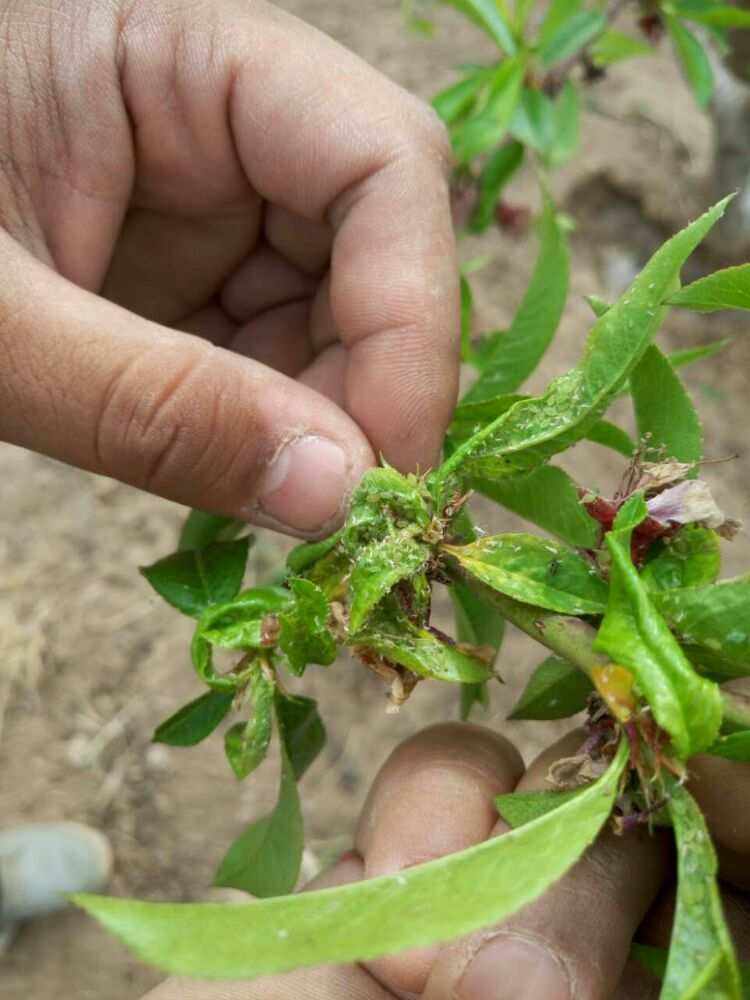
[89,383]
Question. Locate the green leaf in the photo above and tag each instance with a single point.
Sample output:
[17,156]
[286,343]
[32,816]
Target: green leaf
[484,130]
[394,636]
[634,634]
[265,860]
[556,690]
[533,121]
[467,319]
[693,59]
[714,622]
[303,556]
[200,529]
[478,624]
[598,305]
[558,12]
[733,747]
[701,959]
[194,579]
[457,100]
[533,430]
[678,359]
[614,46]
[567,125]
[194,722]
[520,349]
[713,14]
[727,289]
[246,744]
[546,497]
[383,498]
[238,624]
[363,920]
[535,571]
[609,435]
[495,175]
[520,808]
[305,637]
[663,409]
[303,730]
[487,15]
[572,35]
[690,559]
[379,567]
[655,960]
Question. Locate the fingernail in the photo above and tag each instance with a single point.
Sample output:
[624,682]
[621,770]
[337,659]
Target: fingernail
[513,968]
[303,488]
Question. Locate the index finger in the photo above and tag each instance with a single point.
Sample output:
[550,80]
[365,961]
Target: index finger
[324,135]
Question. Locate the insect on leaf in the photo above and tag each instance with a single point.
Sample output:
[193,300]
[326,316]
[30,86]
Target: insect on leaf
[194,722]
[691,558]
[535,571]
[727,289]
[634,635]
[194,579]
[664,413]
[357,922]
[701,959]
[379,567]
[556,690]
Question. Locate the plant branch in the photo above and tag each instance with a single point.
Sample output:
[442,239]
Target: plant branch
[573,640]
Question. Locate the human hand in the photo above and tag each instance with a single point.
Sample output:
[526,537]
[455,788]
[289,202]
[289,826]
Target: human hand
[228,261]
[435,796]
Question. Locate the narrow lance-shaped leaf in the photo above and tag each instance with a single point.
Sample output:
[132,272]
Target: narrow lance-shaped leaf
[693,59]
[701,960]
[478,624]
[634,635]
[614,46]
[496,174]
[655,960]
[664,413]
[200,529]
[567,125]
[572,35]
[467,319]
[556,690]
[519,808]
[557,13]
[487,15]
[357,922]
[521,348]
[547,497]
[716,15]
[727,289]
[535,571]
[305,636]
[533,430]
[713,622]
[483,130]
[609,435]
[458,99]
[533,121]
[194,579]
[246,744]
[733,747]
[195,721]
[305,555]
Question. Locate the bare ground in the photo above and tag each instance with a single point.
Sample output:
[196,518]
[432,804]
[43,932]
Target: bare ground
[90,662]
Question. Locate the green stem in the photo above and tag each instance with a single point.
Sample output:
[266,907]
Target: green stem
[573,640]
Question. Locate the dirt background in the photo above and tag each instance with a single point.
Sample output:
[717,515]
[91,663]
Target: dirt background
[90,661]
